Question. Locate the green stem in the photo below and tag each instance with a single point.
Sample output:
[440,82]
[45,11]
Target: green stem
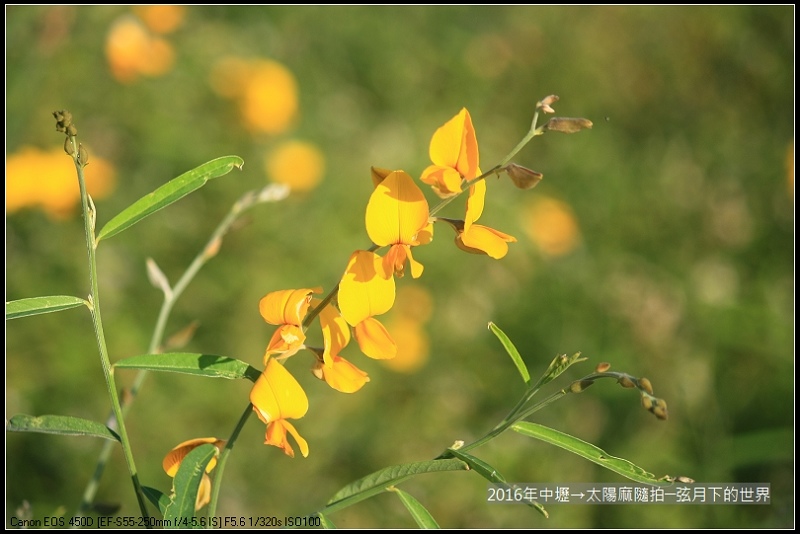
[89,217]
[244,203]
[215,487]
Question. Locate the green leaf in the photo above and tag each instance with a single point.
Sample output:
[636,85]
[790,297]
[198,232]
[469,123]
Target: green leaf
[168,193]
[60,424]
[491,474]
[187,483]
[157,497]
[326,521]
[512,351]
[378,481]
[587,450]
[37,305]
[559,364]
[420,514]
[191,363]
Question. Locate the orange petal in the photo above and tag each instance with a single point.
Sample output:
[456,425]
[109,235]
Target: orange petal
[483,240]
[396,211]
[342,375]
[286,341]
[173,459]
[446,181]
[203,492]
[364,291]
[277,395]
[445,147]
[475,202]
[335,333]
[374,340]
[288,306]
[276,435]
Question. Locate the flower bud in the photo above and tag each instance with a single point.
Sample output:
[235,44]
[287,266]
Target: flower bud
[626,382]
[83,155]
[567,124]
[646,385]
[69,148]
[647,402]
[523,177]
[602,367]
[545,103]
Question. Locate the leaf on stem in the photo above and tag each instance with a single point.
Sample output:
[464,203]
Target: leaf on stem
[512,351]
[60,424]
[187,482]
[207,365]
[157,497]
[169,193]
[38,305]
[588,451]
[420,514]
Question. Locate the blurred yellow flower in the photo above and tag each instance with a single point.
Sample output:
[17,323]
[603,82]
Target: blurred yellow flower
[276,397]
[173,459]
[132,51]
[413,308]
[161,19]
[298,164]
[286,309]
[397,213]
[454,153]
[47,179]
[551,225]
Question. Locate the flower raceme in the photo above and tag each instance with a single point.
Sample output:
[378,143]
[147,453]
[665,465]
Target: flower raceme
[276,397]
[173,459]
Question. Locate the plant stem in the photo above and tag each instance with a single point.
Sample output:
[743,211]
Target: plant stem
[215,487]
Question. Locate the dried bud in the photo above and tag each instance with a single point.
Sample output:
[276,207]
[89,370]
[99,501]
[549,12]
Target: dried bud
[602,367]
[545,103]
[567,124]
[646,385]
[63,120]
[626,382]
[523,177]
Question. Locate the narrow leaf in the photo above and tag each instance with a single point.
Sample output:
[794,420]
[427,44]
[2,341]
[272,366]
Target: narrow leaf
[326,521]
[512,351]
[37,305]
[207,365]
[60,424]
[169,193]
[559,364]
[587,450]
[420,514]
[390,476]
[157,497]
[491,474]
[187,483]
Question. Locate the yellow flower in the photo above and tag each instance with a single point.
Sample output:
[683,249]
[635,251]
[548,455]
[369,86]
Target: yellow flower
[552,226]
[131,51]
[298,164]
[47,179]
[341,375]
[397,213]
[173,459]
[276,397]
[454,153]
[478,239]
[364,293]
[287,309]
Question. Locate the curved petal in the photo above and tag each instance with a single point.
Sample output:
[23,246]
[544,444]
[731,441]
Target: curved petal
[445,148]
[396,211]
[288,306]
[174,457]
[277,395]
[484,240]
[475,202]
[342,375]
[364,291]
[335,333]
[446,181]
[374,340]
[468,158]
[276,435]
[204,492]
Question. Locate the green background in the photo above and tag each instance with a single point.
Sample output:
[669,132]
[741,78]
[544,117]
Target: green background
[685,273]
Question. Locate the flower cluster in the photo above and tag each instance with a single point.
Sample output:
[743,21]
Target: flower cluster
[397,219]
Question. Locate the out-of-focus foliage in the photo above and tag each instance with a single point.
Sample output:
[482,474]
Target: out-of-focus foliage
[660,241]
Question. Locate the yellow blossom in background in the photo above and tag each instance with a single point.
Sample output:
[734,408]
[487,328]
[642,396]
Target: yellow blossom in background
[132,51]
[161,19]
[298,164]
[47,179]
[454,153]
[397,213]
[551,225]
[173,459]
[286,309]
[265,91]
[276,397]
[413,308]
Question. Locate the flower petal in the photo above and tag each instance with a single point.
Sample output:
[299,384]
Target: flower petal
[364,290]
[484,240]
[342,375]
[446,181]
[445,147]
[174,457]
[288,306]
[286,341]
[277,395]
[475,202]
[335,333]
[374,340]
[396,211]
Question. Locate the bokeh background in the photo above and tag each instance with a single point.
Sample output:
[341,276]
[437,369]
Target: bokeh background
[661,241]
